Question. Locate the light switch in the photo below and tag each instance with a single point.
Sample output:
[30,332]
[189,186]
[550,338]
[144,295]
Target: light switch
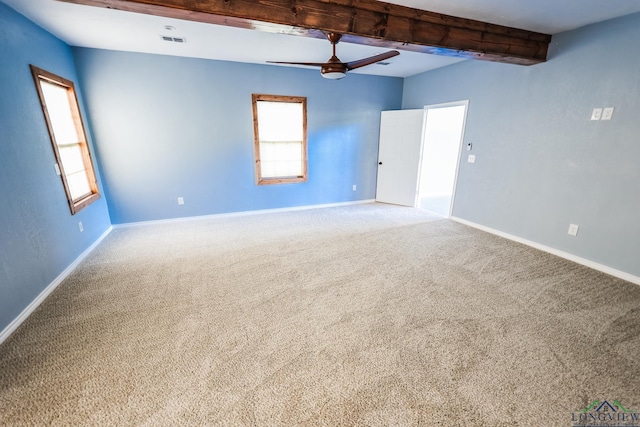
[471,158]
[607,113]
[596,114]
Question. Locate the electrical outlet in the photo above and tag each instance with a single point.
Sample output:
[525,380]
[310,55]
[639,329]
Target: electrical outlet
[80,226]
[573,230]
[596,114]
[607,113]
[471,158]
[180,200]
[354,187]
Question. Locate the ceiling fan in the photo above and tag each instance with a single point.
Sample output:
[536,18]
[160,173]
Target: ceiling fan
[336,69]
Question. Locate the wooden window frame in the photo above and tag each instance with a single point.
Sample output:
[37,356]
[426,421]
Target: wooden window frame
[82,202]
[256,146]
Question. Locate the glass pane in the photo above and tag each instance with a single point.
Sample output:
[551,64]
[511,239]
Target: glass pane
[59,109]
[281,159]
[71,158]
[78,185]
[267,170]
[280,121]
[292,151]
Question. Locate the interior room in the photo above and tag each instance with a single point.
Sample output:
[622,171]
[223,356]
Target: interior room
[194,287]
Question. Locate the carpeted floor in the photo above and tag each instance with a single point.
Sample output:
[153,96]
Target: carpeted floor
[368,315]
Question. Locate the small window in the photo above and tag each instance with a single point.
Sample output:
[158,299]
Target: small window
[62,114]
[280,135]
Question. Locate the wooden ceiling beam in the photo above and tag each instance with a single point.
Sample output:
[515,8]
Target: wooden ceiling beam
[367,22]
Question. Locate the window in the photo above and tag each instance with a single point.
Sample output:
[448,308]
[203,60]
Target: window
[62,114]
[280,138]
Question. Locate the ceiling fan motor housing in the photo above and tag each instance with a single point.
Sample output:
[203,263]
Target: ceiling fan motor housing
[334,70]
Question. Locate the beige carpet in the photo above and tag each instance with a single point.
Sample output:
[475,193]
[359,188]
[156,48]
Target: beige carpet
[368,315]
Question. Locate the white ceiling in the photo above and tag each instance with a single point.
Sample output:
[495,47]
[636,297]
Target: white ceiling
[116,30]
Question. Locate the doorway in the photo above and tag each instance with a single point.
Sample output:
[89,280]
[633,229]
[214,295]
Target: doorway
[442,140]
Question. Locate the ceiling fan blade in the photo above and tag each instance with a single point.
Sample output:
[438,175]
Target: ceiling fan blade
[310,64]
[371,60]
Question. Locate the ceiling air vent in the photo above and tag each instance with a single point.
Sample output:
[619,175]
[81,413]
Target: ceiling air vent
[174,39]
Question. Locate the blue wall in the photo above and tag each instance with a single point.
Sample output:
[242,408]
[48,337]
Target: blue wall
[541,164]
[38,236]
[169,127]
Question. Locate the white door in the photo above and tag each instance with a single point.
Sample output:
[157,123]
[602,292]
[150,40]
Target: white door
[399,156]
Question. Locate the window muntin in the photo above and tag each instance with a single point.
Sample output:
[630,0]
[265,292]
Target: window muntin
[68,139]
[280,132]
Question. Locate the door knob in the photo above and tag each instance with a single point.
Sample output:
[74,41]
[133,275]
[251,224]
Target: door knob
[379,163]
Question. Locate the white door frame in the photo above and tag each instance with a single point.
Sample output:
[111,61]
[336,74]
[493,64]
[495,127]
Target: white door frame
[464,124]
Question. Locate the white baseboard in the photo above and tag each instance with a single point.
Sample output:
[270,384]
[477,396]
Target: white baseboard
[583,261]
[243,213]
[6,332]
